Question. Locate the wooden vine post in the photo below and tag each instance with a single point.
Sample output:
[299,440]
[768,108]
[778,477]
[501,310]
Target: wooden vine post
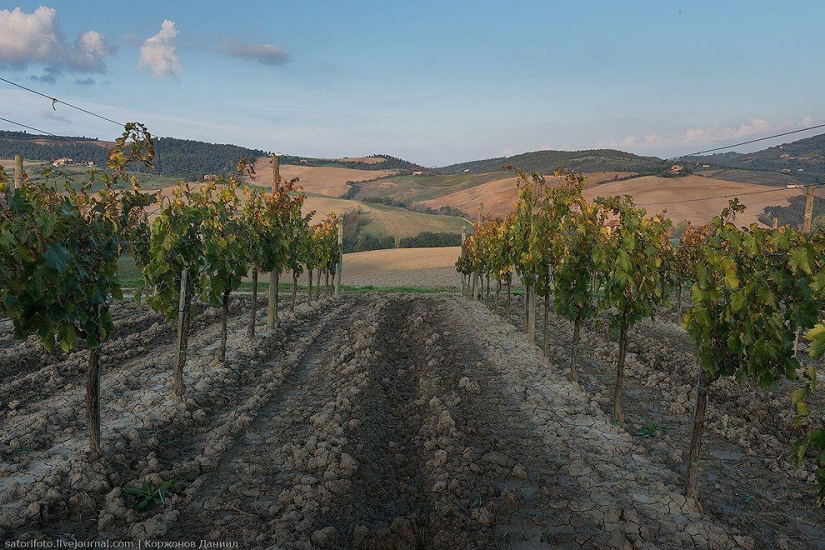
[463,277]
[531,313]
[18,175]
[183,330]
[272,293]
[809,209]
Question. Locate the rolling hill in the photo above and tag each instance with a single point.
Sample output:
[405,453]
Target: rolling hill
[178,158]
[695,198]
[591,160]
[498,194]
[803,159]
[757,178]
[328,179]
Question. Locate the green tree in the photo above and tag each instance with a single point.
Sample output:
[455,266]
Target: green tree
[59,251]
[225,254]
[576,283]
[178,245]
[553,208]
[527,264]
[632,271]
[753,291]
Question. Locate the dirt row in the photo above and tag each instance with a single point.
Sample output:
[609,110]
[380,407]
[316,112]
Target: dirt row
[373,421]
[747,479]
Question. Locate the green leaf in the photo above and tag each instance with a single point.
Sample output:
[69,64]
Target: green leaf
[799,395]
[57,257]
[799,260]
[731,280]
[817,337]
[738,301]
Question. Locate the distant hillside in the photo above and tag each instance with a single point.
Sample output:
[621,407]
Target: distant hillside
[803,159]
[192,159]
[50,148]
[180,158]
[593,160]
[794,213]
[388,163]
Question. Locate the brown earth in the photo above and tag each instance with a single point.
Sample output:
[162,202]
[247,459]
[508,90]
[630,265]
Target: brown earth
[499,196]
[386,220]
[371,421]
[686,198]
[411,267]
[322,180]
[693,198]
[365,160]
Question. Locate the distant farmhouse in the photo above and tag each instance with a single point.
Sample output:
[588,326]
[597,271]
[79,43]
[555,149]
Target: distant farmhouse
[66,161]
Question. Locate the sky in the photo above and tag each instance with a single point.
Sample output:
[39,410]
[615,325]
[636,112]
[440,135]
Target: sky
[433,82]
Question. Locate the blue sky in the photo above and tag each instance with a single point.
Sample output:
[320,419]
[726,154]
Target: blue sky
[432,82]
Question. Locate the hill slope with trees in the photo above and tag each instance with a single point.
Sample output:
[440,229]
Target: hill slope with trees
[591,160]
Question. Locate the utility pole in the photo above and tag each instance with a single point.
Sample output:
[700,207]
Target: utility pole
[809,208]
[272,304]
[776,223]
[463,234]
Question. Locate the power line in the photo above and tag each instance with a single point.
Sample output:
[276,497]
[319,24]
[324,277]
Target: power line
[54,101]
[28,127]
[750,141]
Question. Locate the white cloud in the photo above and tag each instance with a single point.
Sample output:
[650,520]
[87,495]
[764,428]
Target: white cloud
[694,138]
[159,53]
[754,127]
[36,39]
[267,54]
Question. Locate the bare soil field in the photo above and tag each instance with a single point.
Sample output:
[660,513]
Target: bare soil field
[381,219]
[410,267]
[498,196]
[380,421]
[386,220]
[323,180]
[365,160]
[685,198]
[749,176]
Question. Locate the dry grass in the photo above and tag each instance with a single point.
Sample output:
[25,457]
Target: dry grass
[365,160]
[499,196]
[321,180]
[360,264]
[382,220]
[386,220]
[695,198]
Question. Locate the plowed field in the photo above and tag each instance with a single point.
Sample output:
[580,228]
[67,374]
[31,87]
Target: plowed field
[364,421]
